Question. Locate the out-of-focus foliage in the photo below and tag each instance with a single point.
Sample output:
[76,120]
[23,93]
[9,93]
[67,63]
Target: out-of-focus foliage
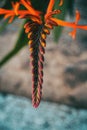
[20,43]
[22,38]
[67,7]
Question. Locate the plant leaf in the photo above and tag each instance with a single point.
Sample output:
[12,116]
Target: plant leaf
[58,30]
[3,25]
[71,6]
[40,5]
[21,42]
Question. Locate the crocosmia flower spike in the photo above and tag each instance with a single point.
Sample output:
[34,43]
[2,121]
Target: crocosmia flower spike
[37,28]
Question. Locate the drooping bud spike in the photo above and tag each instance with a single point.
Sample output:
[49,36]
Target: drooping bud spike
[37,35]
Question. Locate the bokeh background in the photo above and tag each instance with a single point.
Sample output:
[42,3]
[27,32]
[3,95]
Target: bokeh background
[64,105]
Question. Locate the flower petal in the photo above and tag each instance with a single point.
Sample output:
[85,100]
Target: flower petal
[50,6]
[68,24]
[30,8]
[71,25]
[61,2]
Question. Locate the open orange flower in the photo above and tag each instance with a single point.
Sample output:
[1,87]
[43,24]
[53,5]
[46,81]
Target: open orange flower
[38,27]
[30,12]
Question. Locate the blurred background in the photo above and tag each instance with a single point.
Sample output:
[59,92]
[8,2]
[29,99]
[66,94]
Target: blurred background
[64,105]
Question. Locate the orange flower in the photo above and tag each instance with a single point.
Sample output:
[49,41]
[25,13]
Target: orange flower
[35,15]
[30,12]
[38,27]
[50,19]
